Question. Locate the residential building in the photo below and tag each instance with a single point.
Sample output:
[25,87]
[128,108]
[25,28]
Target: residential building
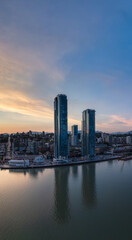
[88,132]
[60,126]
[74,135]
[128,140]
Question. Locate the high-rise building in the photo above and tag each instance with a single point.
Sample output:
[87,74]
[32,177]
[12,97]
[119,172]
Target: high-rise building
[128,140]
[33,147]
[60,126]
[74,135]
[88,132]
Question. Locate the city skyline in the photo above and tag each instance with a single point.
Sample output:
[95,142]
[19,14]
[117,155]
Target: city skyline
[81,49]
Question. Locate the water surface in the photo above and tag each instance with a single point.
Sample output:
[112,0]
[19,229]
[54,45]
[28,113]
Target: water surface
[92,201]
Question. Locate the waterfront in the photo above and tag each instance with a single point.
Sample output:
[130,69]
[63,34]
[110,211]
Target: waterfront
[52,164]
[91,201]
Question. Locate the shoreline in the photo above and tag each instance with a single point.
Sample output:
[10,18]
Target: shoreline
[54,165]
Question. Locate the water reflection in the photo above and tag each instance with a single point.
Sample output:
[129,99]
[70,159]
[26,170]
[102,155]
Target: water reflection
[57,205]
[122,166]
[110,162]
[75,171]
[62,206]
[32,172]
[89,185]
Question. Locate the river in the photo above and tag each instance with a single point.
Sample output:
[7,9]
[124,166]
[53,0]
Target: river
[92,201]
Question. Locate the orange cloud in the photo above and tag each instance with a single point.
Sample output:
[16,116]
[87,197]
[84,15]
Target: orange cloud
[20,65]
[17,69]
[114,123]
[12,101]
[17,102]
[122,120]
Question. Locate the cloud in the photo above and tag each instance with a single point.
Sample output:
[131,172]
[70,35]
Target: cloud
[45,48]
[24,81]
[25,63]
[114,123]
[13,101]
[121,120]
[20,92]
[16,102]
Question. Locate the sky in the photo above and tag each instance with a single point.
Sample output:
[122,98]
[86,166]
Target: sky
[79,48]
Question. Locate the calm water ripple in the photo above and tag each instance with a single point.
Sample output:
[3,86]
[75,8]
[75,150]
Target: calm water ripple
[81,202]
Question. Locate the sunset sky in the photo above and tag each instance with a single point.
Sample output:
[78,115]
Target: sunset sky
[80,48]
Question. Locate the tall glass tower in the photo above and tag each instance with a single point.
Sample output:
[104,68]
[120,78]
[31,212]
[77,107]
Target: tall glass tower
[60,126]
[88,132]
[74,135]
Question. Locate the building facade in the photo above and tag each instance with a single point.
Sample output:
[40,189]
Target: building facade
[128,140]
[33,147]
[60,126]
[74,135]
[88,132]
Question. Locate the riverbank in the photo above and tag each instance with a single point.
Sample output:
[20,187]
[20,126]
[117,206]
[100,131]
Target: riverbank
[51,164]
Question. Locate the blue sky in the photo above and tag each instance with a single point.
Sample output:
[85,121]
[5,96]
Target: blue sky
[79,48]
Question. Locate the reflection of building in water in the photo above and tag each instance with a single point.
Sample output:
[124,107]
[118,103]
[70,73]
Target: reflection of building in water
[23,171]
[62,208]
[88,184]
[75,170]
[32,172]
[110,162]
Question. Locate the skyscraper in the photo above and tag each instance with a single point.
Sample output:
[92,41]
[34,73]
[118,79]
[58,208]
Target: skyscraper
[74,135]
[60,126]
[88,132]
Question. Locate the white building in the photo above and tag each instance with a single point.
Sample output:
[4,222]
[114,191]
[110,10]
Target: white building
[32,147]
[39,160]
[74,135]
[18,163]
